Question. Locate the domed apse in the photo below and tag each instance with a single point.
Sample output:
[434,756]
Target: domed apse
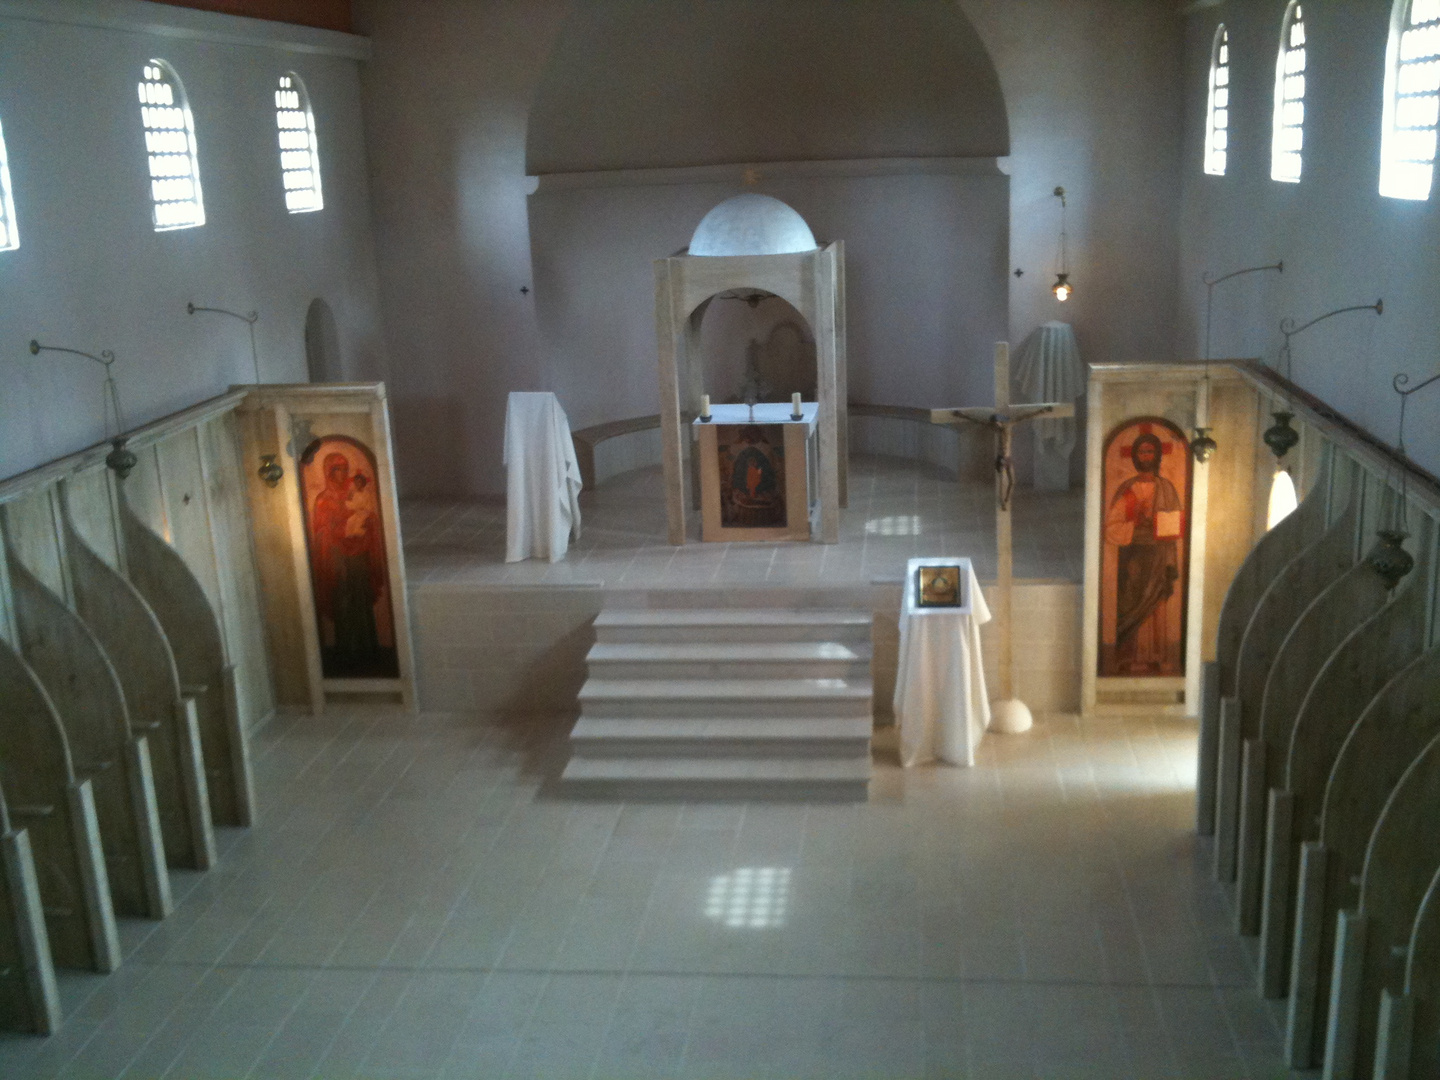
[752,225]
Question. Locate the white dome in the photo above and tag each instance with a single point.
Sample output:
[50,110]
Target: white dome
[752,225]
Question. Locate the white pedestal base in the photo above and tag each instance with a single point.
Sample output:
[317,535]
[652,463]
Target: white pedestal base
[1010,717]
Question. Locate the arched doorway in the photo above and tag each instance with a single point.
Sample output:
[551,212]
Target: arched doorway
[322,344]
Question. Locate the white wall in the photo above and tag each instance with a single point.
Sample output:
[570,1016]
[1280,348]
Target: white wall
[92,274]
[1341,242]
[925,261]
[1092,91]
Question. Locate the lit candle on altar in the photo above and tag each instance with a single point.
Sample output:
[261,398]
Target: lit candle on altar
[795,405]
[704,406]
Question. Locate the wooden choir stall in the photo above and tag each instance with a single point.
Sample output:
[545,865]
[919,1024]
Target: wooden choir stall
[161,597]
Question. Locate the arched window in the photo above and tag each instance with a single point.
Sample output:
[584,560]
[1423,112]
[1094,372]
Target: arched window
[299,154]
[9,232]
[170,142]
[1289,131]
[1412,100]
[1217,111]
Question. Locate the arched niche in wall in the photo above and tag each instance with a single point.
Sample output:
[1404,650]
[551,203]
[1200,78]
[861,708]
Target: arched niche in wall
[322,343]
[756,341]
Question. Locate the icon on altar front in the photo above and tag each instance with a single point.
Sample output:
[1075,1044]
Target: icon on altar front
[752,471]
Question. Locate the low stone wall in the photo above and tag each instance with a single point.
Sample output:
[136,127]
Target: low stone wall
[521,649]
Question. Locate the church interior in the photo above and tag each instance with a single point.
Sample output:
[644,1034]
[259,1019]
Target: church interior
[719,539]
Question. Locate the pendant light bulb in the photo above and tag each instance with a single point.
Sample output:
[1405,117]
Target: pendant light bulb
[1062,287]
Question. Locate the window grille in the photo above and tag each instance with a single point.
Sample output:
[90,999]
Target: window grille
[299,154]
[175,196]
[1217,110]
[1412,100]
[1289,130]
[9,231]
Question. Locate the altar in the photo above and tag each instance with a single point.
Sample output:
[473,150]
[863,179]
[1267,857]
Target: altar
[758,472]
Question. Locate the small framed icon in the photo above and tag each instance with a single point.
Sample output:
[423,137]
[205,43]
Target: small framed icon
[939,586]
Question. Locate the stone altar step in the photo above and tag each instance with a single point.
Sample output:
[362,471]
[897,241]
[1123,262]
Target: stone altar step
[750,625]
[725,698]
[730,660]
[689,737]
[804,779]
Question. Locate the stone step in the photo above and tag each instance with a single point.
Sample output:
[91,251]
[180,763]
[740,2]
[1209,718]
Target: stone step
[815,737]
[675,625]
[729,660]
[725,698]
[801,779]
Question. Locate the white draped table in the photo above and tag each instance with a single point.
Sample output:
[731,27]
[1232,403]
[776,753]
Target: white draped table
[542,478]
[941,705]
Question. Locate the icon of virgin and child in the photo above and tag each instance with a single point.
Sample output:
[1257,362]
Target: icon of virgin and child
[1144,556]
[348,568]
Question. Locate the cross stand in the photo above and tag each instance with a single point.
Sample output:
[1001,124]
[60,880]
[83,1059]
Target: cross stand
[1008,714]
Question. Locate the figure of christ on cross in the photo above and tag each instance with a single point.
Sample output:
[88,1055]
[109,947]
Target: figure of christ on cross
[1007,713]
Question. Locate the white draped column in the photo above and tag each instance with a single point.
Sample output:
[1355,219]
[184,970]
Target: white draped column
[1049,369]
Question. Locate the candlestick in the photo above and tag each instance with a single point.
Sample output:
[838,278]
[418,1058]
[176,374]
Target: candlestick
[705,408]
[795,411]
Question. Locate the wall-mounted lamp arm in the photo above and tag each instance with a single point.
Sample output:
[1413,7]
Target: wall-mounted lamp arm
[105,359]
[1289,329]
[249,319]
[1210,283]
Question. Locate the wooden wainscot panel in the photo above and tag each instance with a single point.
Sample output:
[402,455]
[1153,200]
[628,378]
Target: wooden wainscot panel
[230,534]
[172,591]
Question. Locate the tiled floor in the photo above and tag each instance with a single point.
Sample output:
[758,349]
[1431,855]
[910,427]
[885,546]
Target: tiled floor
[898,509]
[408,906]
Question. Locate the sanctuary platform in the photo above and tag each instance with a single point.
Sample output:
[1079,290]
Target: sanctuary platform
[898,509]
[514,637]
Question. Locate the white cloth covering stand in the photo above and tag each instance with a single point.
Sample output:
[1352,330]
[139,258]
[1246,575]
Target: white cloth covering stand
[542,479]
[1049,369]
[941,705]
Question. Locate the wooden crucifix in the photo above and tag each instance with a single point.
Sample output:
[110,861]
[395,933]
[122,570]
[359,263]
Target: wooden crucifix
[1007,712]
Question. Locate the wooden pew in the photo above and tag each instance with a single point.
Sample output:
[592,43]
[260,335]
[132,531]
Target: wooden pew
[81,682]
[1218,780]
[29,997]
[1372,941]
[58,810]
[1386,739]
[1321,629]
[159,713]
[1356,672]
[167,584]
[1408,1041]
[1303,579]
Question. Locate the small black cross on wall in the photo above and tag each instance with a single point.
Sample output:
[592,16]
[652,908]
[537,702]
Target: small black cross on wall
[524,290]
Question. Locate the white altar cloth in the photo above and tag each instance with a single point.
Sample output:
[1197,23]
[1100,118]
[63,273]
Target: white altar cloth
[542,479]
[941,705]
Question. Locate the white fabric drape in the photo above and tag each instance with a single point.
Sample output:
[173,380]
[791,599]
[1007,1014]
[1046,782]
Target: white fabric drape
[542,479]
[941,704]
[1049,369]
